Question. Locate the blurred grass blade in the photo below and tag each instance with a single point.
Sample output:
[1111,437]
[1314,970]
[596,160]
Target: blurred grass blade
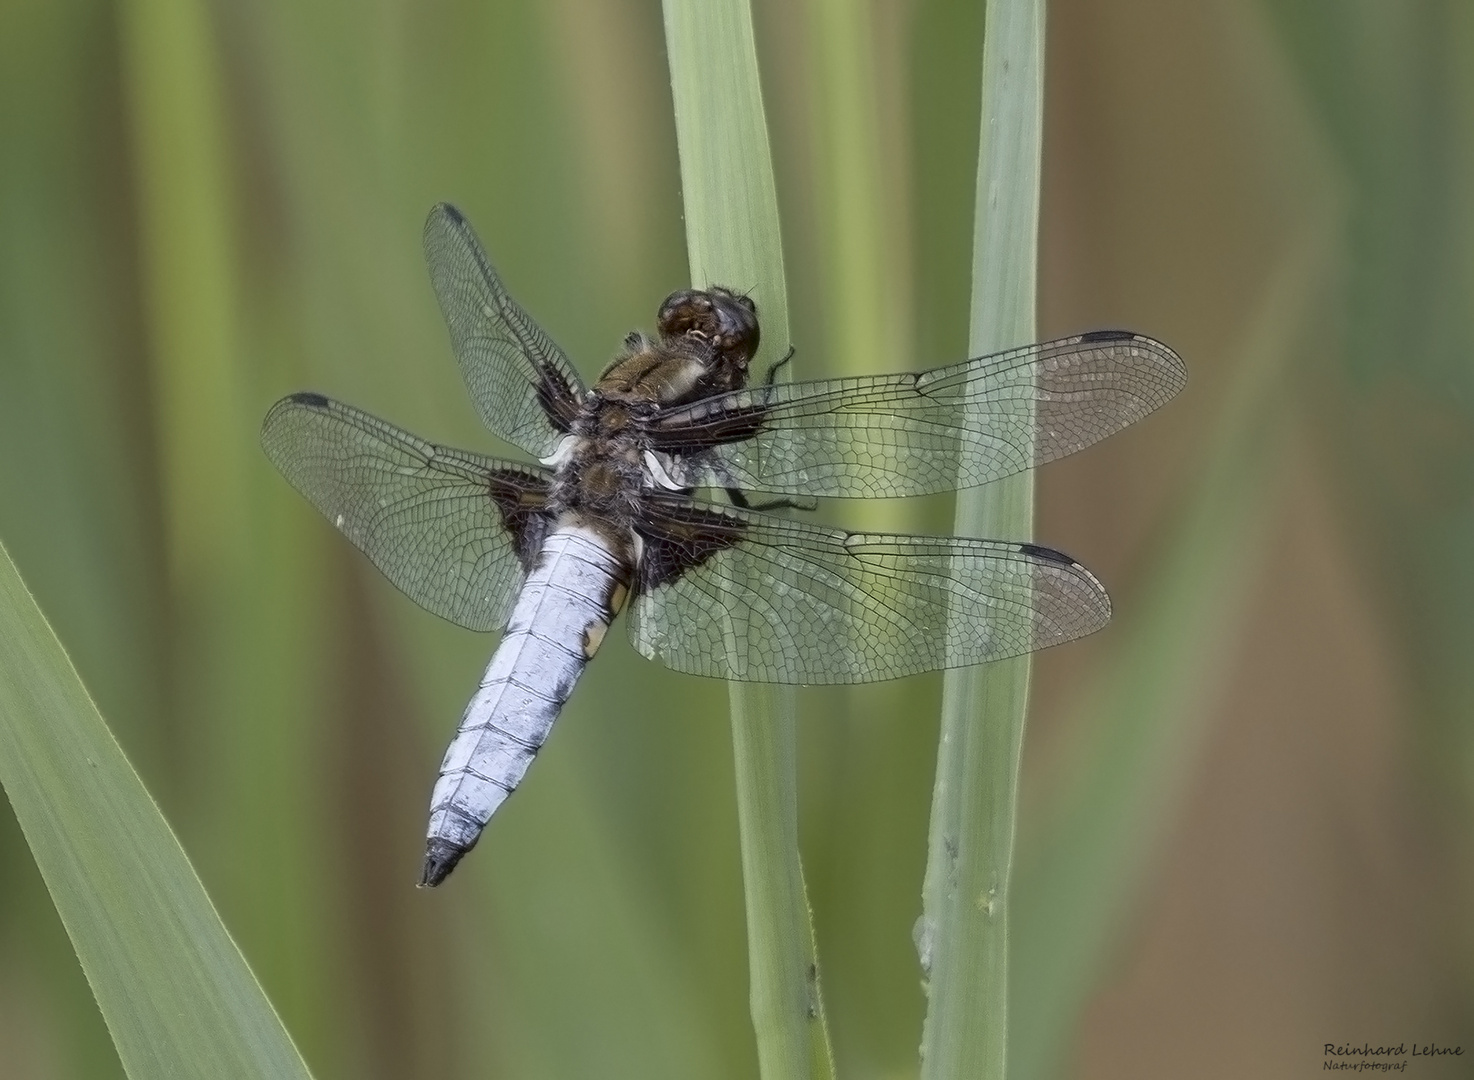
[1079,869]
[733,238]
[177,995]
[963,934]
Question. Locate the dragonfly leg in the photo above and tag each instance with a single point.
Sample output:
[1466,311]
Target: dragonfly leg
[772,375]
[742,502]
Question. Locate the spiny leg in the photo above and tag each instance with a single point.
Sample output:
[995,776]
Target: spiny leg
[740,500]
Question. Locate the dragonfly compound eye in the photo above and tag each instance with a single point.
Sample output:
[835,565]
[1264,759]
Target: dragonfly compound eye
[685,312]
[736,323]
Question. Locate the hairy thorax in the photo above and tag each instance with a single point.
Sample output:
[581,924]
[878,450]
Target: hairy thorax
[600,472]
[706,342]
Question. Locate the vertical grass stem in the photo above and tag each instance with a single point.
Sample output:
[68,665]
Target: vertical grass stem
[733,238]
[963,935]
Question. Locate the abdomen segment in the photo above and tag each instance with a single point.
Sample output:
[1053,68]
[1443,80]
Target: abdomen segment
[573,592]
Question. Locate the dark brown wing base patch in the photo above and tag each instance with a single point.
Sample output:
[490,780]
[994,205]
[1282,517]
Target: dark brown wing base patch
[559,401]
[730,425]
[522,500]
[679,537]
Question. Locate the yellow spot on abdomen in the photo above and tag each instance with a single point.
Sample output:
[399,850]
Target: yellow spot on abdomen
[593,637]
[617,598]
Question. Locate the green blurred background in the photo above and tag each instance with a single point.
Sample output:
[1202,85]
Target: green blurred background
[1246,828]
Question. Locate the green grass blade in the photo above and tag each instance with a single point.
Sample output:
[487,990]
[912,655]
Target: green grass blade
[963,935]
[176,993]
[733,238]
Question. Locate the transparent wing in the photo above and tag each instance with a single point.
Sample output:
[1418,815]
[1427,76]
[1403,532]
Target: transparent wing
[916,434]
[524,387]
[452,530]
[753,597]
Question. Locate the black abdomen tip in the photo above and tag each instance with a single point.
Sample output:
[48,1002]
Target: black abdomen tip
[440,859]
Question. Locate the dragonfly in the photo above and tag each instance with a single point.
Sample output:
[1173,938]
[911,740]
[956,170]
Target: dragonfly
[637,500]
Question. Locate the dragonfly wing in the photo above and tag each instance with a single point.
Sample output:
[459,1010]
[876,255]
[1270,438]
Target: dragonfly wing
[524,387]
[454,531]
[888,436]
[740,595]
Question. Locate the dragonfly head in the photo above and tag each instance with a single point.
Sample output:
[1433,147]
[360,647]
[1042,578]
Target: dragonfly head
[726,321]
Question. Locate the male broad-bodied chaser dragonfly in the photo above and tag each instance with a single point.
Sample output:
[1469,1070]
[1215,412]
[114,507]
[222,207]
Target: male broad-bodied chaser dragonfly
[550,553]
